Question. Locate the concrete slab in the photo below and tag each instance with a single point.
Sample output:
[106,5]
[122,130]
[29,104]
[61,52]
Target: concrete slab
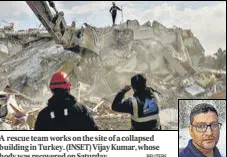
[4,49]
[194,90]
[139,34]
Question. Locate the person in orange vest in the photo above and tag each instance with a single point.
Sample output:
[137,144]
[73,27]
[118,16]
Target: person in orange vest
[63,111]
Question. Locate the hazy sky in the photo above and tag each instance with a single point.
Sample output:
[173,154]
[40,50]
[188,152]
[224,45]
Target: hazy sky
[207,20]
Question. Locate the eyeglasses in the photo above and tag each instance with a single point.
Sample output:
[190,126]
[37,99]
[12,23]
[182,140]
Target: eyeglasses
[203,127]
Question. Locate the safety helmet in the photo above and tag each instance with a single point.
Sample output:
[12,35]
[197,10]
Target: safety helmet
[60,80]
[113,3]
[138,82]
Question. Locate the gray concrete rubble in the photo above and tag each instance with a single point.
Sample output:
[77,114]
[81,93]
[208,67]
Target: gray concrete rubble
[3,49]
[171,58]
[12,115]
[194,90]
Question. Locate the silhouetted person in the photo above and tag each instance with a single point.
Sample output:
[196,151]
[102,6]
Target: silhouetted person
[113,11]
[143,105]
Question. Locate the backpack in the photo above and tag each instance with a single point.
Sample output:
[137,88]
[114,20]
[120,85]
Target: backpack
[150,109]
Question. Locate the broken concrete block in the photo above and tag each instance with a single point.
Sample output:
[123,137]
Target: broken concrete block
[4,126]
[14,48]
[43,33]
[2,35]
[129,66]
[173,62]
[132,24]
[187,82]
[194,90]
[139,34]
[4,49]
[187,66]
[67,67]
[147,24]
[194,48]
[13,106]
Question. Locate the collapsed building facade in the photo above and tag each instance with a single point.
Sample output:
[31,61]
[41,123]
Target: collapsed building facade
[172,59]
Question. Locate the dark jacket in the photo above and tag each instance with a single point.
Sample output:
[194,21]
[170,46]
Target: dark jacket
[192,151]
[64,113]
[141,112]
[114,9]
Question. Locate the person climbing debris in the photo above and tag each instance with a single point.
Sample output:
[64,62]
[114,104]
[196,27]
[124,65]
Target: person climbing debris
[113,11]
[142,105]
[63,111]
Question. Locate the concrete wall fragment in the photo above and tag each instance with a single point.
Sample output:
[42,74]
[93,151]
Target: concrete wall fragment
[132,24]
[173,62]
[4,49]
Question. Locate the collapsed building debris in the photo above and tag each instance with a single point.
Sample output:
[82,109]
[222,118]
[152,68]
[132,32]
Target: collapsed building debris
[11,112]
[3,49]
[169,57]
[194,90]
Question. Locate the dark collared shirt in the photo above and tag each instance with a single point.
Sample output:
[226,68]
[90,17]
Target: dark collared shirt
[192,151]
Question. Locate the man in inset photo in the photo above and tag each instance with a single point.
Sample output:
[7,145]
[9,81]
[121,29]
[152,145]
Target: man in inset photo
[204,130]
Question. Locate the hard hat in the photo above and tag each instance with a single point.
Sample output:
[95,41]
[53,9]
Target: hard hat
[60,80]
[113,3]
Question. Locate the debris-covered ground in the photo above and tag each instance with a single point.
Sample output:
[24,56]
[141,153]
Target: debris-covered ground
[172,59]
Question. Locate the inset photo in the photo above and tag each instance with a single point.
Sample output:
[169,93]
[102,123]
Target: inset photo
[202,128]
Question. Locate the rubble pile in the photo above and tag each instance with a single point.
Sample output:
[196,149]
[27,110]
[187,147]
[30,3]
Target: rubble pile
[172,59]
[217,61]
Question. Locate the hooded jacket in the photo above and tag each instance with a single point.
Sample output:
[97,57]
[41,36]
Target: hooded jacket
[64,113]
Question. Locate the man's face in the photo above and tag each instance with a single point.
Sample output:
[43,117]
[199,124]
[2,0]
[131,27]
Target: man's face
[208,139]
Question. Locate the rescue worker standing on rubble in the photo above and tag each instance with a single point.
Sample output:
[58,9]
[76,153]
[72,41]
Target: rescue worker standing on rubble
[63,112]
[142,106]
[113,11]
